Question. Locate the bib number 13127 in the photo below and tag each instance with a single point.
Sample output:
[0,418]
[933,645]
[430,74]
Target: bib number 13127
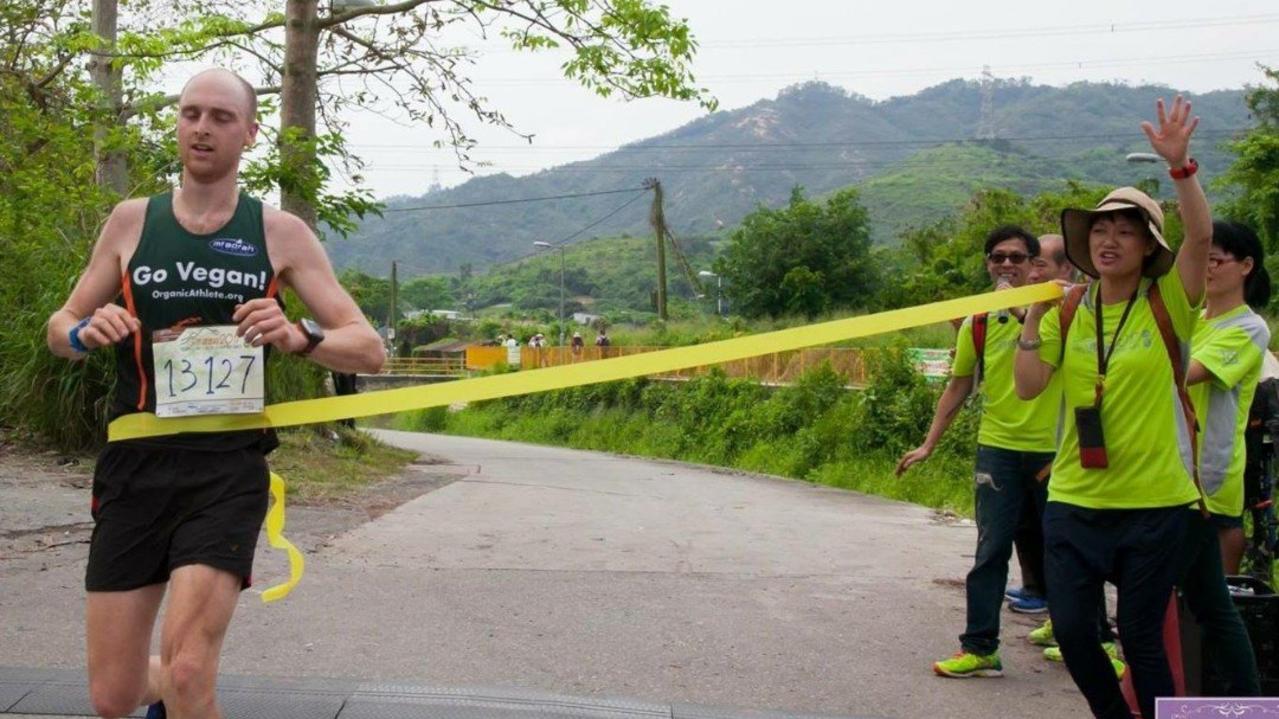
[206,370]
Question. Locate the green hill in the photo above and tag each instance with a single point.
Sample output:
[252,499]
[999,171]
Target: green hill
[916,158]
[606,275]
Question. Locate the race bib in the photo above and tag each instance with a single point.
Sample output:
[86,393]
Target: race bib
[206,370]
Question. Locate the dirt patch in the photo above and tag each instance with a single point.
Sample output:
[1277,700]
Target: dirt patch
[45,521]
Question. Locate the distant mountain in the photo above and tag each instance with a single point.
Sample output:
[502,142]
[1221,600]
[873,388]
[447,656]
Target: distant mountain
[916,159]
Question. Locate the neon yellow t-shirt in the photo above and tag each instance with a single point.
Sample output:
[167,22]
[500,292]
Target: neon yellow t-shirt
[1230,346]
[1147,440]
[1007,421]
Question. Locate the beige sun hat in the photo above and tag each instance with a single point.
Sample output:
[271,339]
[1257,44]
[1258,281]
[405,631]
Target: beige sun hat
[1076,223]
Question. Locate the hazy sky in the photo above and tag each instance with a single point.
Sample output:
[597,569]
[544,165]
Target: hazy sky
[750,49]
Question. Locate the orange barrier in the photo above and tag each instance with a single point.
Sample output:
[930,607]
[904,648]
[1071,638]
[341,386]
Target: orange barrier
[776,368]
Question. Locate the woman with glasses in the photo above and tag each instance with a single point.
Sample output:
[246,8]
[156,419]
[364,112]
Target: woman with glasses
[1226,355]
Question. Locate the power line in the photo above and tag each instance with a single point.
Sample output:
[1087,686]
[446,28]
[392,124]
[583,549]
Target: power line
[565,240]
[501,202]
[803,145]
[972,34]
[1000,33]
[900,72]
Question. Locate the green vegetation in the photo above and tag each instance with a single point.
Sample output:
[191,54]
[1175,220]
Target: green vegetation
[1254,176]
[814,430]
[804,259]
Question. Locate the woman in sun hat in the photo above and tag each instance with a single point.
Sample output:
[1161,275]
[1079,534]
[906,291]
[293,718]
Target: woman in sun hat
[1117,501]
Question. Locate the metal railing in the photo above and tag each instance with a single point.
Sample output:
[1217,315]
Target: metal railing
[424,366]
[777,368]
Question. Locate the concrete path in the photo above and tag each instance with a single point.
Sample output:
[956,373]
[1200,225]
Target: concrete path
[594,575]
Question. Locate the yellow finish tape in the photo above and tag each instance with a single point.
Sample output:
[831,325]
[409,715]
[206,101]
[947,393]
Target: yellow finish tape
[275,535]
[330,409]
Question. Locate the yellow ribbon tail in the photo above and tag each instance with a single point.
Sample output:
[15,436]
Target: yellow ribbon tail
[275,535]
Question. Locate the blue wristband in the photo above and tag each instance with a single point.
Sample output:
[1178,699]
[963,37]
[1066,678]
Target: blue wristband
[74,336]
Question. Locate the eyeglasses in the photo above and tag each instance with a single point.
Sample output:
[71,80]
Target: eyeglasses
[999,258]
[1215,262]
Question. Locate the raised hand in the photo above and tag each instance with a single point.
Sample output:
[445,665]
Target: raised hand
[1172,140]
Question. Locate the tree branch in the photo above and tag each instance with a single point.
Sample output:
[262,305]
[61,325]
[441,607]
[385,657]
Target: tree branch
[349,15]
[134,108]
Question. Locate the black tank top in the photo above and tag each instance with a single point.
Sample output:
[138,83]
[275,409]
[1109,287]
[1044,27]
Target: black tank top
[177,278]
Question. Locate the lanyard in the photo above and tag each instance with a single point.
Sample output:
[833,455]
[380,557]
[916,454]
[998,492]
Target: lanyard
[1103,357]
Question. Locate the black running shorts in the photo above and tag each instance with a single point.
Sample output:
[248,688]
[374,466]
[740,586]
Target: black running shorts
[155,510]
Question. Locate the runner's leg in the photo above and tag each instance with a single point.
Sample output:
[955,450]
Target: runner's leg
[201,602]
[118,629]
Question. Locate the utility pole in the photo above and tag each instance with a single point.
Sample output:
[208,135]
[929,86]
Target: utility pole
[111,171]
[298,96]
[657,218]
[395,301]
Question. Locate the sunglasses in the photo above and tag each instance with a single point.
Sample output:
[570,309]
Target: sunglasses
[999,258]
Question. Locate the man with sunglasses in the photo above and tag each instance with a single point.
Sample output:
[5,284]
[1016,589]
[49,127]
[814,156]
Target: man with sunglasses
[1015,443]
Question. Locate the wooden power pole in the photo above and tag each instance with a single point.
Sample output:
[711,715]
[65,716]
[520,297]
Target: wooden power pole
[395,299]
[657,218]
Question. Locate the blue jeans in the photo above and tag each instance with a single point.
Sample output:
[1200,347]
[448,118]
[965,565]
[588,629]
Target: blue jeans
[1004,482]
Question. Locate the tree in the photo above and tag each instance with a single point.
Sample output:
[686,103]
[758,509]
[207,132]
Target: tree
[805,258]
[428,293]
[1255,172]
[394,58]
[945,260]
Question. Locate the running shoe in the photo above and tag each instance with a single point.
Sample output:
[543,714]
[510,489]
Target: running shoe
[964,665]
[1019,593]
[1053,654]
[1043,636]
[1029,605]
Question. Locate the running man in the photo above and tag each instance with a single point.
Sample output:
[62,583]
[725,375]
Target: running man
[182,512]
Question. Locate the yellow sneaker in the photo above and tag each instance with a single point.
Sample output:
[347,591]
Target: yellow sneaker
[1053,654]
[1043,636]
[964,664]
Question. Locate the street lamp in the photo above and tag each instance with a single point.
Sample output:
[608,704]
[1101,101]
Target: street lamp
[719,290]
[1137,158]
[548,246]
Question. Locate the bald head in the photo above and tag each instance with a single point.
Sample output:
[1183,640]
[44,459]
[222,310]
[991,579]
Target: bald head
[222,78]
[1052,263]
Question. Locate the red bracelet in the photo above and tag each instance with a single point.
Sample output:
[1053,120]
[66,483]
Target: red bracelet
[1181,173]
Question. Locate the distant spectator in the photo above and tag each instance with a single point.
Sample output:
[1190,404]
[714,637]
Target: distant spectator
[577,344]
[512,351]
[601,340]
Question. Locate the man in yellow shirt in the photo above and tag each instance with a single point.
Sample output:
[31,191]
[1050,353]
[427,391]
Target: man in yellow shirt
[1015,443]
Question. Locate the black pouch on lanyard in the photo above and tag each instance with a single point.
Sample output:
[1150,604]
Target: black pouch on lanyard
[1092,442]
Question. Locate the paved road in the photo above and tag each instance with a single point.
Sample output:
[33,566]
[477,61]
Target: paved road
[590,574]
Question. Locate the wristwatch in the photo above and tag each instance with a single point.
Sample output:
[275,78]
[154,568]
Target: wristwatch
[314,334]
[1029,345]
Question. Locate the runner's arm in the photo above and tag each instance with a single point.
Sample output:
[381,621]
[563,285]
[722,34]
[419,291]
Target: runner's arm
[97,287]
[350,343]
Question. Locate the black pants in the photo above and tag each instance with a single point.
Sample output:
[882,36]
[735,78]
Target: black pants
[1138,551]
[1029,541]
[1203,584]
